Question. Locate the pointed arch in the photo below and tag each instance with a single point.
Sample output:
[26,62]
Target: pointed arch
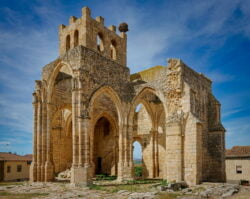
[109,117]
[100,42]
[138,99]
[76,38]
[67,43]
[113,50]
[114,97]
[52,78]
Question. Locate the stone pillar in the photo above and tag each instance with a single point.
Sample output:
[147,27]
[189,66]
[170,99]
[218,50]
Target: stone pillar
[74,128]
[80,134]
[87,164]
[49,164]
[120,153]
[130,174]
[39,140]
[174,159]
[126,164]
[82,174]
[152,142]
[155,158]
[33,167]
[156,154]
[44,122]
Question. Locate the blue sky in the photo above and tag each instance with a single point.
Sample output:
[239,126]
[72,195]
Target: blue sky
[212,37]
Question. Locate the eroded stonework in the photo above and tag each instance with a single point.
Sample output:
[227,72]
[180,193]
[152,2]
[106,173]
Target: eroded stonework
[86,114]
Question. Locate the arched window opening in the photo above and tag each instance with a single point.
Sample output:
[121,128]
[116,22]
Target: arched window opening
[113,50]
[67,43]
[100,43]
[76,38]
[138,108]
[137,158]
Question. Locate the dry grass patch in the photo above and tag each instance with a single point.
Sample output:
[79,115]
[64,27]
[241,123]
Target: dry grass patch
[8,195]
[168,195]
[128,187]
[10,183]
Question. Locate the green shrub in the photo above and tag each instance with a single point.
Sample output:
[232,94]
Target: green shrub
[138,171]
[105,177]
[164,182]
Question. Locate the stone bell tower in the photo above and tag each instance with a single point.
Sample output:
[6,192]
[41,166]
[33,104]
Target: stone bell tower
[92,33]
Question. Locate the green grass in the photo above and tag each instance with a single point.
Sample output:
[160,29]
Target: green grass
[105,177]
[9,195]
[131,186]
[146,181]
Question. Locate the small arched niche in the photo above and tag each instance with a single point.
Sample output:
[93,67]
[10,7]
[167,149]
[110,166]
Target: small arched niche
[113,53]
[76,38]
[67,43]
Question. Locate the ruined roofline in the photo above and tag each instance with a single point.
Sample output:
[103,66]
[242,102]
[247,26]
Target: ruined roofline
[189,68]
[157,67]
[145,72]
[86,14]
[137,75]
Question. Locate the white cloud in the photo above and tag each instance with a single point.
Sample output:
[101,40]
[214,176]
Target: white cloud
[237,131]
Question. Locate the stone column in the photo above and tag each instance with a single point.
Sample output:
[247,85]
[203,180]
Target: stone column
[82,174]
[74,128]
[44,121]
[130,174]
[120,153]
[87,164]
[127,161]
[152,142]
[174,152]
[156,154]
[33,167]
[80,129]
[49,164]
[39,140]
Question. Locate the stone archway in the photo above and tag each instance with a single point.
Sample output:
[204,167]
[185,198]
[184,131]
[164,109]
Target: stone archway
[105,113]
[105,147]
[61,140]
[149,126]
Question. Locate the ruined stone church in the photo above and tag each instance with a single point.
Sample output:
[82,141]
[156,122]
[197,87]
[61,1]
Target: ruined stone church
[89,110]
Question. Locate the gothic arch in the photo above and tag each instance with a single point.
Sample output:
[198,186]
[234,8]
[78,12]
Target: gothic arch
[53,76]
[109,117]
[138,99]
[114,97]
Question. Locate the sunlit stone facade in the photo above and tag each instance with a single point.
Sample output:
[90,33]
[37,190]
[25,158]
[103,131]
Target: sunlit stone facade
[86,116]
